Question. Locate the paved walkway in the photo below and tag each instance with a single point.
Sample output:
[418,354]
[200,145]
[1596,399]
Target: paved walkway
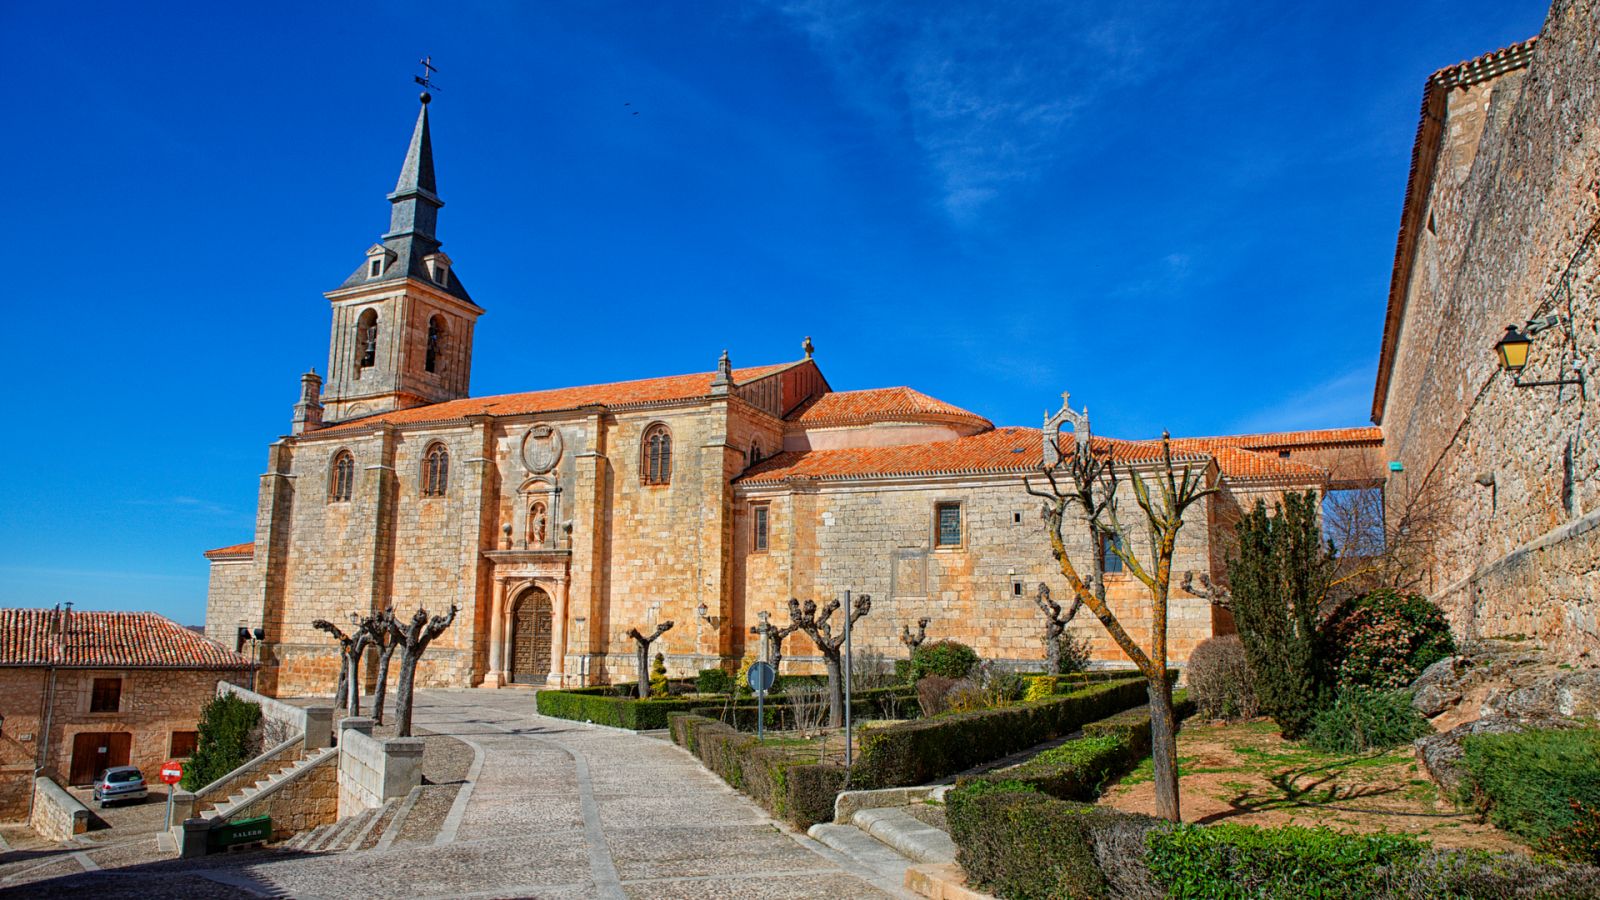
[553,809]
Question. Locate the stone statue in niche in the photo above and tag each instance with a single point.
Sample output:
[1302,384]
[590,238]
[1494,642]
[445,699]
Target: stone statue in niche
[538,525]
[541,448]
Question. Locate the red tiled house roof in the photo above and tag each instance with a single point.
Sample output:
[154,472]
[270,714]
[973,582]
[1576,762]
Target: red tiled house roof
[107,640]
[1327,437]
[245,549]
[617,394]
[895,404]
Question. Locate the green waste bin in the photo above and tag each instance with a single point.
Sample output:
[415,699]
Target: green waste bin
[245,831]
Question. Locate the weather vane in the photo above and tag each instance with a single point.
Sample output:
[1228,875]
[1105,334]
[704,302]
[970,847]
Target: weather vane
[426,78]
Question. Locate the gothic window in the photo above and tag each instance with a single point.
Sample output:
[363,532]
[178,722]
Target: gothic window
[755,452]
[657,455]
[759,525]
[435,471]
[367,339]
[435,343]
[538,523]
[343,476]
[947,525]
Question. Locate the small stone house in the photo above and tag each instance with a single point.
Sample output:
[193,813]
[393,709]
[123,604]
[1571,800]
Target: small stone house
[81,691]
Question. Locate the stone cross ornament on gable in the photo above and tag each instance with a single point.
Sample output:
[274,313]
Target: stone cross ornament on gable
[1052,429]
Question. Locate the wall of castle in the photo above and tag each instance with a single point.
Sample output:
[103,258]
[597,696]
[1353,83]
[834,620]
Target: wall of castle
[1510,205]
[233,598]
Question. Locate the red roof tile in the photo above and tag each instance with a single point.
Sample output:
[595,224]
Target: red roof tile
[246,549]
[895,404]
[617,394]
[107,640]
[1327,437]
[1237,464]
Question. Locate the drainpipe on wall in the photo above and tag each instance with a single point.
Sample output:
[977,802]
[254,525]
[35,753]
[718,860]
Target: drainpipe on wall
[43,753]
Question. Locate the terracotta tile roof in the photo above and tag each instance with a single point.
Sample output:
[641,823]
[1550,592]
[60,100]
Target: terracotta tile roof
[1237,464]
[617,394]
[108,640]
[895,404]
[1327,437]
[1424,159]
[246,549]
[1001,450]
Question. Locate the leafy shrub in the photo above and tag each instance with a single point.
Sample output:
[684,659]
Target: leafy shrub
[1220,680]
[999,686]
[947,659]
[1040,687]
[1227,861]
[713,681]
[1527,782]
[931,693]
[1074,654]
[927,749]
[1580,840]
[965,696]
[224,742]
[658,676]
[1360,720]
[602,706]
[1278,578]
[1384,639]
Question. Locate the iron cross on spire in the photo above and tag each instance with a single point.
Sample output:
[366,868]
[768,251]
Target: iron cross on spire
[428,70]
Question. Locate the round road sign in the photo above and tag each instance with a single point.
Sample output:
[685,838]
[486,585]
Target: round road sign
[171,772]
[761,677]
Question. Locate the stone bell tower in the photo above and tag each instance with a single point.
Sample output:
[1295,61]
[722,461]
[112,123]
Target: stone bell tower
[402,323]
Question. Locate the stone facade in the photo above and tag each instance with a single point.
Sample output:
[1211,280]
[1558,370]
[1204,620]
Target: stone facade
[1500,227]
[572,515]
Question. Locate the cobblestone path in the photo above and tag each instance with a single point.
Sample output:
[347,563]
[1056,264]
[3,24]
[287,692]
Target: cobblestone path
[553,809]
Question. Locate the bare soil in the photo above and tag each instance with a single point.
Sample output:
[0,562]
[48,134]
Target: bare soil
[1247,774]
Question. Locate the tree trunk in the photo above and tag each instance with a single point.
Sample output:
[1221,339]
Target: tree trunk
[340,692]
[354,703]
[402,694]
[1052,650]
[642,652]
[1164,748]
[835,691]
[383,682]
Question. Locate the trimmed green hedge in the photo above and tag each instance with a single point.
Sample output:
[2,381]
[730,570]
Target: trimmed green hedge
[603,707]
[1021,845]
[1076,770]
[918,752]
[798,792]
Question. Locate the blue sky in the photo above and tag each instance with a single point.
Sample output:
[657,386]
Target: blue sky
[1182,212]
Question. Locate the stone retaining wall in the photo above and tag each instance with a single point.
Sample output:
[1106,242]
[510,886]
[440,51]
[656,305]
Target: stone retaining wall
[307,800]
[57,815]
[372,771]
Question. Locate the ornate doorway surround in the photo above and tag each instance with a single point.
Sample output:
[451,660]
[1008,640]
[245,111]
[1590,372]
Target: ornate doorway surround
[530,591]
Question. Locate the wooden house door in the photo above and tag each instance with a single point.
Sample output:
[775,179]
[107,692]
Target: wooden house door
[95,751]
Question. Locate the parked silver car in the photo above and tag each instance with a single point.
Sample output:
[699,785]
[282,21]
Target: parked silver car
[119,783]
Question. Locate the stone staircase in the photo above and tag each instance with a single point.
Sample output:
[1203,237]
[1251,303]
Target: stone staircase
[358,832]
[909,855]
[223,808]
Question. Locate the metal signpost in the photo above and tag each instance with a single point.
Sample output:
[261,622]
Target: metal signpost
[848,752]
[761,678]
[171,774]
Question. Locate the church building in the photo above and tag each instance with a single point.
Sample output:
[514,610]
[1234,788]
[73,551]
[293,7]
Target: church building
[558,519]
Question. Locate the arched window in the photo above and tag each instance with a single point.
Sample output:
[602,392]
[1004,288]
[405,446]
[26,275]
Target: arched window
[367,339]
[435,352]
[342,477]
[538,524]
[755,452]
[656,463]
[435,471]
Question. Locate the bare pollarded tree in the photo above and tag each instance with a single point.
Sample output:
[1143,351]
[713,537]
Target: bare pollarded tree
[807,618]
[1088,480]
[914,639]
[773,636]
[413,638]
[351,647]
[1055,624]
[381,636]
[642,654]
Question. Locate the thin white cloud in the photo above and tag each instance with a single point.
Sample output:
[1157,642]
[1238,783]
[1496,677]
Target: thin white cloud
[986,92]
[1342,401]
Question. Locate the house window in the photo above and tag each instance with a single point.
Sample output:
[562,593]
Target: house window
[656,465]
[435,471]
[1016,589]
[343,476]
[375,267]
[106,696]
[1109,543]
[1016,518]
[367,339]
[947,525]
[759,524]
[183,744]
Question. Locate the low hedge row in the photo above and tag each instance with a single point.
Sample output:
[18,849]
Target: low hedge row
[1019,844]
[900,702]
[798,792]
[604,708]
[928,749]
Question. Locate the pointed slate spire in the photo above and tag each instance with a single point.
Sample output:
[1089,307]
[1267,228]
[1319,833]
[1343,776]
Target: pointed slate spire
[415,198]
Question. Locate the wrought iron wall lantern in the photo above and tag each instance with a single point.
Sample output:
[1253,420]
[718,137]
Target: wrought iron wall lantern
[1513,348]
